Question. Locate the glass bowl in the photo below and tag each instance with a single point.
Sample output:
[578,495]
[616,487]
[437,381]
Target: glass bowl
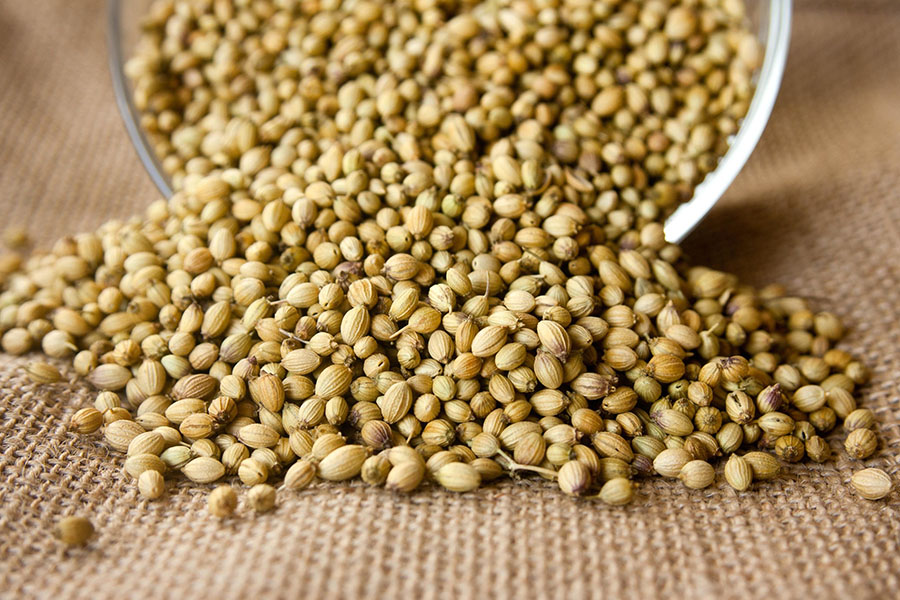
[770,19]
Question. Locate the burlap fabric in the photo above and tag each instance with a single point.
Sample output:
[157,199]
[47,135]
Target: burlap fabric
[817,208]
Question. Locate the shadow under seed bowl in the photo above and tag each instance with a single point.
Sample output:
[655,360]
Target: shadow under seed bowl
[769,19]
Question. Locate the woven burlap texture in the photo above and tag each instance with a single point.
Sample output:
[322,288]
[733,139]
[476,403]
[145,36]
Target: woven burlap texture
[817,208]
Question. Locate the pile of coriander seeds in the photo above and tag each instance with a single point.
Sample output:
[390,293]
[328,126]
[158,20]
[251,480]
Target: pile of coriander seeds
[420,243]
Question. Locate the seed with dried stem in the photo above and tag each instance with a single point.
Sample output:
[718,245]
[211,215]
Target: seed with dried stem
[513,466]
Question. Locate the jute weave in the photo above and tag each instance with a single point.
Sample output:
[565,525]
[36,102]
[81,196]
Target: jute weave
[817,208]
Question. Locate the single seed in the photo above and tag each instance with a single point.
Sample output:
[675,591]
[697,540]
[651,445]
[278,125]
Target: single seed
[42,373]
[261,497]
[73,531]
[87,420]
[120,433]
[738,473]
[405,476]
[458,477]
[669,462]
[253,471]
[151,484]
[343,463]
[136,465]
[375,470]
[817,449]
[222,501]
[872,484]
[204,469]
[300,475]
[617,491]
[697,474]
[861,418]
[764,465]
[574,478]
[861,443]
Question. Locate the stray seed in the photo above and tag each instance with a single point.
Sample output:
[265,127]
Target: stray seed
[73,531]
[872,484]
[222,501]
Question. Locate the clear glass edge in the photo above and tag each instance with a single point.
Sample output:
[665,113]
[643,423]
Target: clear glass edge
[126,106]
[687,216]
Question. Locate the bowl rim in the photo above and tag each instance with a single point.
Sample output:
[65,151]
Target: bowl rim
[129,112]
[677,226]
[686,217]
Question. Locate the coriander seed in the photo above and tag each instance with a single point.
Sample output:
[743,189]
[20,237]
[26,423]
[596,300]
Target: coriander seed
[151,484]
[861,443]
[73,531]
[261,497]
[222,501]
[871,484]
[697,474]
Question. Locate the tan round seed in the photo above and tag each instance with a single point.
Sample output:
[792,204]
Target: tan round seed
[669,462]
[861,443]
[204,469]
[397,402]
[458,477]
[253,471]
[222,501]
[618,491]
[764,465]
[120,433]
[405,476]
[42,373]
[574,478]
[697,474]
[151,484]
[375,470]
[872,484]
[87,420]
[333,381]
[343,463]
[300,475]
[261,497]
[73,531]
[738,473]
[135,465]
[489,341]
[258,435]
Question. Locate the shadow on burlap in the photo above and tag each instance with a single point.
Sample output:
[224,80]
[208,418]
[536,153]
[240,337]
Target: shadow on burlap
[817,208]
